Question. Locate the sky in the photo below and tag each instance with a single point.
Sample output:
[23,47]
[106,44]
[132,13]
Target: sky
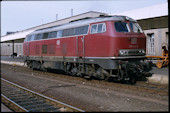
[21,15]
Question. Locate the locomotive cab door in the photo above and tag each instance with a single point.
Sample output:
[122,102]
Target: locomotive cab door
[80,47]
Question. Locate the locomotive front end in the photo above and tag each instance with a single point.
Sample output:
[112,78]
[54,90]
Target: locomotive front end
[129,49]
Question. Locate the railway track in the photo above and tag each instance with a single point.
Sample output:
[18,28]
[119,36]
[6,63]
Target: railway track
[141,86]
[21,99]
[150,88]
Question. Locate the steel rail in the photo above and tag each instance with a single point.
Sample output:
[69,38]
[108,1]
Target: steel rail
[56,102]
[14,104]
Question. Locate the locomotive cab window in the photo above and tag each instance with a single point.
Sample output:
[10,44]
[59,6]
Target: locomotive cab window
[98,28]
[136,28]
[122,27]
[93,29]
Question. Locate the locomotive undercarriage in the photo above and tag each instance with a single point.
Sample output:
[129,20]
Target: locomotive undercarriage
[126,71]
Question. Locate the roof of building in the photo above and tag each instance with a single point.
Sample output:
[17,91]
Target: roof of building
[146,12]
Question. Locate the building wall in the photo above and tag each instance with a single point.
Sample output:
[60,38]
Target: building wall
[156,30]
[160,39]
[6,48]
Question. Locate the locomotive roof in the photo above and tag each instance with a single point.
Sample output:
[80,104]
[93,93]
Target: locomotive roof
[82,22]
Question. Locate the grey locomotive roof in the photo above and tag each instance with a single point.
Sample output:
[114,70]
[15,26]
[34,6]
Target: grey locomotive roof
[82,22]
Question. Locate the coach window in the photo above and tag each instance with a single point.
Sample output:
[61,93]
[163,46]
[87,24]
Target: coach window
[29,38]
[78,31]
[72,32]
[66,32]
[59,33]
[53,34]
[45,35]
[26,39]
[81,30]
[38,37]
[32,37]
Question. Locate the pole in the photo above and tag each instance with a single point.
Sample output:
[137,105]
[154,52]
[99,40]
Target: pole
[56,16]
[71,12]
[12,48]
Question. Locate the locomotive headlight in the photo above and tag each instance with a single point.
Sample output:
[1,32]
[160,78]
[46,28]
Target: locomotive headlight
[123,52]
[142,51]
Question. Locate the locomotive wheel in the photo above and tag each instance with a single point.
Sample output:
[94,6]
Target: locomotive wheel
[44,69]
[159,64]
[74,71]
[31,66]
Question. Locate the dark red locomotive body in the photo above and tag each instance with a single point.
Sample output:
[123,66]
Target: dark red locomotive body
[95,47]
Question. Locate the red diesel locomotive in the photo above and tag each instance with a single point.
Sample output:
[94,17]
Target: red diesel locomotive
[102,47]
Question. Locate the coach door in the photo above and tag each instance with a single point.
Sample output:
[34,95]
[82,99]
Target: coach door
[80,46]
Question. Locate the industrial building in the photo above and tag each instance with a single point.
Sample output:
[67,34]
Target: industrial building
[153,20]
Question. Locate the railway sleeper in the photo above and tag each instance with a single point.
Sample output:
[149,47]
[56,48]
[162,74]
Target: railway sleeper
[41,108]
[29,102]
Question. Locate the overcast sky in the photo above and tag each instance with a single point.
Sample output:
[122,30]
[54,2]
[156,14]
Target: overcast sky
[21,15]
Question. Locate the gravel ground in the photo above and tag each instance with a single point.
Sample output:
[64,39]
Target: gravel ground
[84,94]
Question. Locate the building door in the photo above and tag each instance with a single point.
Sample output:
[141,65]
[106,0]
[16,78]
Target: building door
[150,44]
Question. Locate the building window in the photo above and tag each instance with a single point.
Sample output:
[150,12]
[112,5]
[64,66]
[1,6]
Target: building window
[150,44]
